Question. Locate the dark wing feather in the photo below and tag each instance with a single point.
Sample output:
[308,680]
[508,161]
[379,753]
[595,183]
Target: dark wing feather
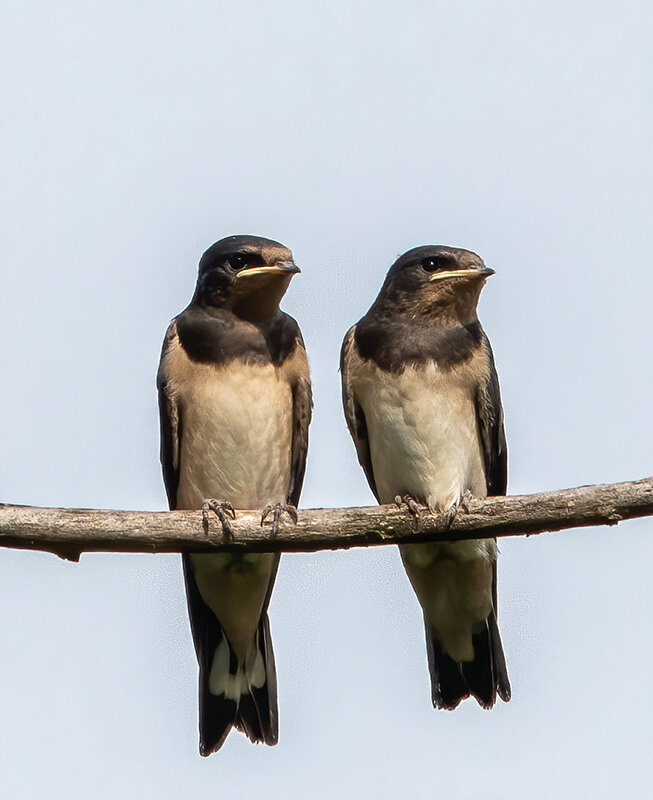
[353,412]
[170,424]
[489,414]
[301,419]
[217,713]
[258,713]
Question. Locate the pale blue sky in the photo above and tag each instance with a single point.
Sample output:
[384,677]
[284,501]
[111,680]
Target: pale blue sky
[134,136]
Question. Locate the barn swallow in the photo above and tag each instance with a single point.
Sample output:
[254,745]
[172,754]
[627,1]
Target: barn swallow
[235,406]
[422,403]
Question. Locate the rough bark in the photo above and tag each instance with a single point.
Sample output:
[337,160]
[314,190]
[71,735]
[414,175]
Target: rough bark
[70,532]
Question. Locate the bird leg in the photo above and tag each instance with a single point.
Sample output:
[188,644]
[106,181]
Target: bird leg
[278,509]
[412,504]
[222,510]
[451,513]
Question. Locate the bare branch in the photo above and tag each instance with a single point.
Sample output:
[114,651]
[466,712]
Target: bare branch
[69,532]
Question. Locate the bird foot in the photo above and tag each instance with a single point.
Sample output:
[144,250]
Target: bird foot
[451,513]
[223,510]
[277,510]
[412,504]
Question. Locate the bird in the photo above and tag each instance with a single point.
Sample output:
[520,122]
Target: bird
[422,403]
[235,406]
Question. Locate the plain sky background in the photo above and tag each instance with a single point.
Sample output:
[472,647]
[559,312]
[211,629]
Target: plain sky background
[135,135]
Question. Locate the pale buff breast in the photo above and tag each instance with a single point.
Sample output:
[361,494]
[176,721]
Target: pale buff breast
[422,432]
[235,431]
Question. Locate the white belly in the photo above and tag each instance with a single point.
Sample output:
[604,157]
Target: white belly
[236,436]
[423,434]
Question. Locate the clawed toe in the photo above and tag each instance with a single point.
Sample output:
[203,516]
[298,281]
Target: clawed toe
[465,501]
[223,510]
[410,503]
[451,513]
[277,510]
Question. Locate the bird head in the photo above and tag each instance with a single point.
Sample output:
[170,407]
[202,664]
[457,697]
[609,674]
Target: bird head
[245,274]
[435,281]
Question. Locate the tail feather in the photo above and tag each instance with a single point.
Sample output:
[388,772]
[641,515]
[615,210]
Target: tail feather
[240,694]
[231,694]
[217,717]
[499,660]
[258,716]
[448,685]
[483,678]
[479,673]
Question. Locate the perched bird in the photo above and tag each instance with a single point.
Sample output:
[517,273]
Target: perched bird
[235,406]
[421,398]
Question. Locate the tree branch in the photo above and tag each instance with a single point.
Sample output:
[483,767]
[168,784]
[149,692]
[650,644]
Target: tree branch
[70,532]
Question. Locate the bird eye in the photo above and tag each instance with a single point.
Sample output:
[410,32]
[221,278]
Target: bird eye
[238,261]
[432,264]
